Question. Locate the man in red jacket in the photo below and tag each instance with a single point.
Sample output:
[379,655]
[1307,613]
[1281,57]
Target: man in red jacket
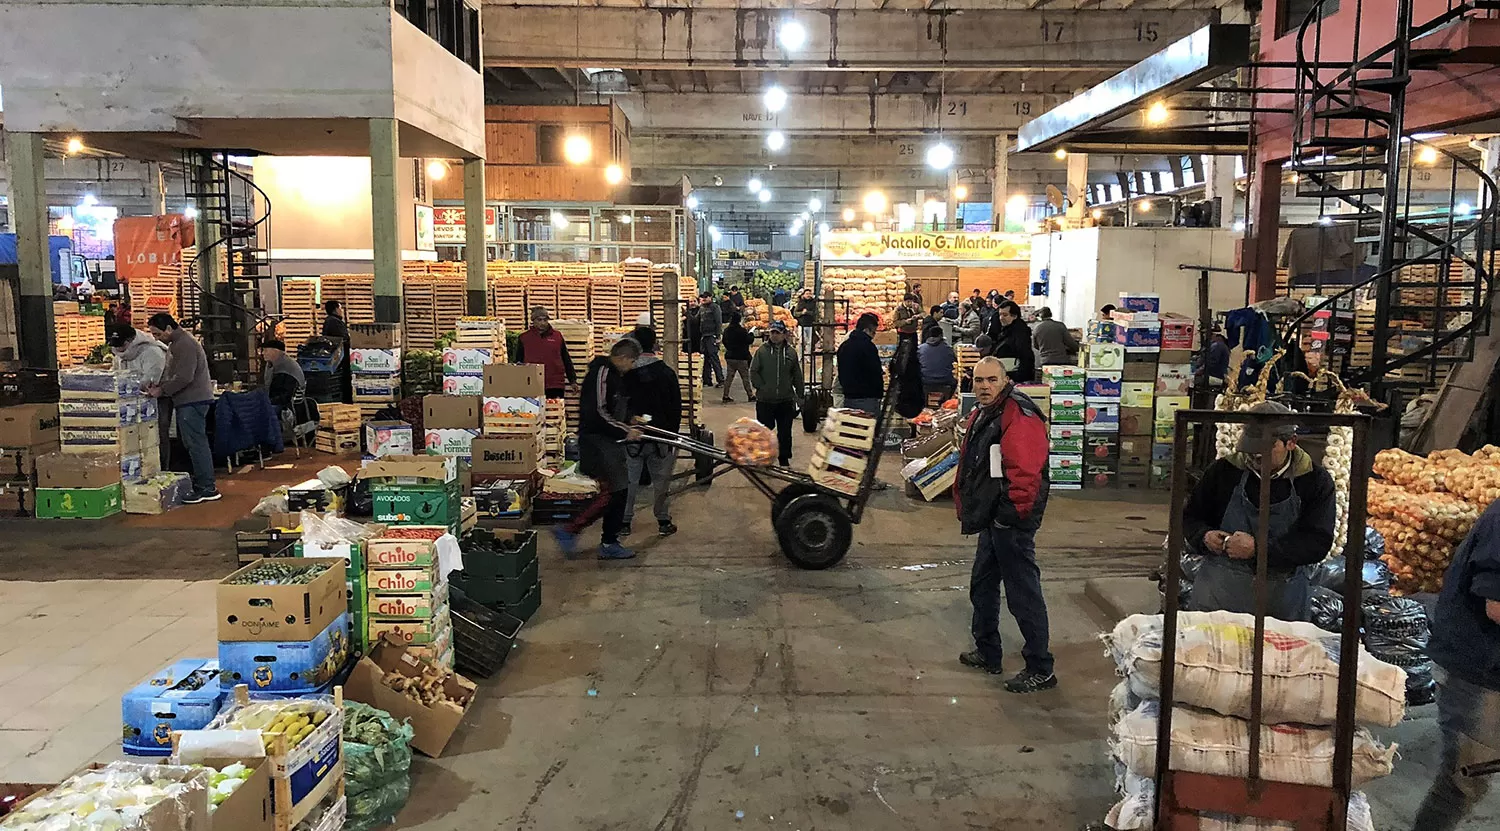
[1001,494]
[541,344]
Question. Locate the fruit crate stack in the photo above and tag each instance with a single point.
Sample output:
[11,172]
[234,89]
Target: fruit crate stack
[77,335]
[338,428]
[355,291]
[578,335]
[604,300]
[507,292]
[375,377]
[149,295]
[554,429]
[841,455]
[408,596]
[690,381]
[450,301]
[482,333]
[573,295]
[635,289]
[541,290]
[299,310]
[606,336]
[968,355]
[419,312]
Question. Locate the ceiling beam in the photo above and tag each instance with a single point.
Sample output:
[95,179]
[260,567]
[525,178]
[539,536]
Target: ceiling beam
[838,39]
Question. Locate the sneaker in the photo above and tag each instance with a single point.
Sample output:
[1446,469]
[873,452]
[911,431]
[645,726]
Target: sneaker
[726,400]
[977,661]
[194,498]
[665,529]
[752,399]
[615,551]
[566,540]
[1030,681]
[625,530]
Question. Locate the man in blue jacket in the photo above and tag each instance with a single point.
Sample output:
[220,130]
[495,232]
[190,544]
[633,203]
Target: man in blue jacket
[1465,645]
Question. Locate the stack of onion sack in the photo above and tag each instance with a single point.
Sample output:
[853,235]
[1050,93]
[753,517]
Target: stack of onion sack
[1210,730]
[1421,527]
[377,760]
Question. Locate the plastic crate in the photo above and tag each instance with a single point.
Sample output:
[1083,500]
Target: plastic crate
[487,556]
[482,637]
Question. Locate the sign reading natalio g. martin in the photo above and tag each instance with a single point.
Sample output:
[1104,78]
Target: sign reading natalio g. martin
[908,246]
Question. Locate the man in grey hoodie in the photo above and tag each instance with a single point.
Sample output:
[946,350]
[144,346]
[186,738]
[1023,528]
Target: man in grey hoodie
[138,352]
[187,382]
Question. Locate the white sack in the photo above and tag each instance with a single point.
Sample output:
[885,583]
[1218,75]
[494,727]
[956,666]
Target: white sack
[1137,812]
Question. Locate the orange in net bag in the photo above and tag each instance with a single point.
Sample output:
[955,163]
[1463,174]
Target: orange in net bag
[750,443]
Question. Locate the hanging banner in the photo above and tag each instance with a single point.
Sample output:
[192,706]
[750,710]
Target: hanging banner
[448,226]
[924,246]
[424,228]
[143,244]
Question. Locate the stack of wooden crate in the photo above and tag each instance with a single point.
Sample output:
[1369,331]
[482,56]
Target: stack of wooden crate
[77,335]
[299,311]
[578,335]
[635,289]
[418,314]
[573,294]
[690,381]
[482,333]
[604,300]
[841,455]
[338,428]
[507,292]
[541,290]
[554,429]
[355,291]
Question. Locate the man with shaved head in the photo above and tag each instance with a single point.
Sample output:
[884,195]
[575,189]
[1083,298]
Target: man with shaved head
[1001,493]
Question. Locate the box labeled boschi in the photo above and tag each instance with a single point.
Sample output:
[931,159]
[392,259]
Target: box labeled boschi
[184,695]
[287,666]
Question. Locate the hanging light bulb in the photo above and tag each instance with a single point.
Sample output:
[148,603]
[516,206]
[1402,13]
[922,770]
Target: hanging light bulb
[559,221]
[940,156]
[577,149]
[792,35]
[960,192]
[614,174]
[815,204]
[437,169]
[1061,153]
[753,185]
[691,203]
[764,196]
[775,99]
[775,140]
[1427,155]
[822,227]
[848,214]
[1156,113]
[875,202]
[75,146]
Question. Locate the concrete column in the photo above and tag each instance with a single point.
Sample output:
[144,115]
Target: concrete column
[28,216]
[1000,177]
[474,245]
[206,227]
[385,237]
[950,200]
[1218,183]
[1078,185]
[158,188]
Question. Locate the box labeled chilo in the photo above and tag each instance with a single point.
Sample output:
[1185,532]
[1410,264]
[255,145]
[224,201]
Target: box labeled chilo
[402,580]
[401,554]
[414,606]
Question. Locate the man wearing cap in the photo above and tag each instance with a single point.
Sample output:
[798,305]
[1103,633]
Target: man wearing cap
[284,377]
[1222,514]
[541,344]
[777,377]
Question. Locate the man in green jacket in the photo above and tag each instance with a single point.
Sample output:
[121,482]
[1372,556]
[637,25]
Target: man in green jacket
[777,378]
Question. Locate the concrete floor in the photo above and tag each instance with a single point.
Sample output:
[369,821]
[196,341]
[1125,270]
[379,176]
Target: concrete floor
[709,677]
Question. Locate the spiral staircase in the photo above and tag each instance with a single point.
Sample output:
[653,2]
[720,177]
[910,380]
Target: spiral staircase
[229,321]
[1426,308]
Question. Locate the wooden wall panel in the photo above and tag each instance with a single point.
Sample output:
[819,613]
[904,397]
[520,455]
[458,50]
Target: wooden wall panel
[510,143]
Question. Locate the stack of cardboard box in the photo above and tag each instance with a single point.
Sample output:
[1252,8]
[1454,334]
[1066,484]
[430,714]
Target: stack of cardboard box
[414,490]
[338,428]
[463,369]
[1104,373]
[375,371]
[1067,413]
[108,427]
[27,432]
[407,600]
[281,636]
[1137,415]
[451,423]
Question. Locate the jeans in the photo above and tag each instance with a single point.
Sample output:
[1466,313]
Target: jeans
[1469,718]
[713,371]
[1007,557]
[742,369]
[608,504]
[658,460]
[164,431]
[869,405]
[192,428]
[778,415]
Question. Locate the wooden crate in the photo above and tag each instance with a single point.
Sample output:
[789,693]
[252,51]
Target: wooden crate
[604,301]
[849,429]
[541,290]
[340,417]
[299,309]
[329,440]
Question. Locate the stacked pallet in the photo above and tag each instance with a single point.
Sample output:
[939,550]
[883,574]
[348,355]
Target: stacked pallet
[506,284]
[968,355]
[578,335]
[450,300]
[482,333]
[554,429]
[418,313]
[150,295]
[841,455]
[338,428]
[573,297]
[605,337]
[355,291]
[689,380]
[635,289]
[299,311]
[77,335]
[604,300]
[541,290]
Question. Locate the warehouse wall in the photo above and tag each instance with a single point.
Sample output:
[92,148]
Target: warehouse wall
[320,209]
[1092,266]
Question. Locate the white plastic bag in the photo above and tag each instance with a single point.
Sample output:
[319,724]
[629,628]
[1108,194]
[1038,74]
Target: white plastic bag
[334,476]
[1204,742]
[1215,653]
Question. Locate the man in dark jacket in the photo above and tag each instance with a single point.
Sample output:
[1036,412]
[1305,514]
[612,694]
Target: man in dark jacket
[710,325]
[1465,645]
[602,422]
[1012,343]
[737,343]
[542,344]
[187,382]
[1222,513]
[284,377]
[860,373]
[1053,342]
[777,376]
[950,307]
[937,359]
[1001,493]
[806,314]
[653,391]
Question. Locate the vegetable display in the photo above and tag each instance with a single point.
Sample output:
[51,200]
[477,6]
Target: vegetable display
[1425,506]
[293,719]
[224,782]
[398,532]
[377,764]
[112,798]
[750,443]
[279,572]
[768,281]
[877,290]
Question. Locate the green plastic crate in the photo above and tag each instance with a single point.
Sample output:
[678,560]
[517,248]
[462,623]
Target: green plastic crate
[489,557]
[79,503]
[494,591]
[528,604]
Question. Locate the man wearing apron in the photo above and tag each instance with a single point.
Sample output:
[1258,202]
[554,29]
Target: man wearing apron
[1222,513]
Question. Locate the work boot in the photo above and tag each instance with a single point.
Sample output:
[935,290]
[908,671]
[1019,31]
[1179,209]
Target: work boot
[973,659]
[1030,681]
[615,551]
[665,529]
[566,540]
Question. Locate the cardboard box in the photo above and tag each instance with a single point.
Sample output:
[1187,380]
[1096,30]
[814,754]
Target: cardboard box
[78,503]
[281,613]
[1099,473]
[183,695]
[403,580]
[1101,446]
[1065,439]
[432,726]
[27,425]
[375,361]
[401,554]
[1137,421]
[251,807]
[451,441]
[1140,302]
[19,463]
[410,469]
[388,438]
[1135,450]
[1104,356]
[451,412]
[157,495]
[1067,409]
[1123,317]
[1137,393]
[427,504]
[1064,379]
[1065,469]
[300,665]
[1175,356]
[513,381]
[1162,451]
[1164,431]
[409,606]
[1141,336]
[1100,416]
[1168,405]
[1174,384]
[507,456]
[1178,331]
[463,385]
[1140,366]
[1101,384]
[412,632]
[374,336]
[459,361]
[188,811]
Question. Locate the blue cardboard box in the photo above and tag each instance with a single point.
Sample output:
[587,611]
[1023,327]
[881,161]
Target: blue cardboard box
[1144,336]
[1102,385]
[286,666]
[184,695]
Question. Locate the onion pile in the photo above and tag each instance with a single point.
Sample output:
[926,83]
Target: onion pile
[1417,559]
[877,290]
[1425,508]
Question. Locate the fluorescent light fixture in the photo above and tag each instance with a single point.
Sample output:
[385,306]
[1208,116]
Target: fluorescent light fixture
[775,99]
[792,35]
[1238,226]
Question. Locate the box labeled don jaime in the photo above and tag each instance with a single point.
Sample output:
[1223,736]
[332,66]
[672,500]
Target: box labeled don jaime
[375,361]
[1065,439]
[1067,409]
[1065,469]
[257,603]
[457,361]
[183,695]
[1064,379]
[287,666]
